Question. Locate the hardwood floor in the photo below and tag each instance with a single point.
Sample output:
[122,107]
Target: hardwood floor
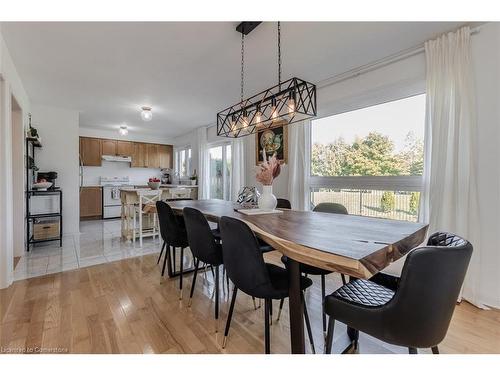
[125,307]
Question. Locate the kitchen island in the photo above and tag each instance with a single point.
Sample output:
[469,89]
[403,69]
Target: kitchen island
[129,198]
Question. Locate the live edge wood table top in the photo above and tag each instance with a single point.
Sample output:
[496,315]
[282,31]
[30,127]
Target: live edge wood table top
[355,245]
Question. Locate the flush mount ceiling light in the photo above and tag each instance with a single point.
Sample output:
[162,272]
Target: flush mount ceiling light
[146,113]
[288,102]
[123,130]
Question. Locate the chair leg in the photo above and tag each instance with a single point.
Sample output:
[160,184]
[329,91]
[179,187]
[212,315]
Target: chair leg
[212,270]
[353,336]
[217,298]
[169,254]
[323,292]
[133,228]
[329,335]
[161,253]
[267,337]
[412,350]
[180,271]
[229,317]
[281,308]
[343,279]
[166,259]
[195,273]
[308,325]
[270,312]
[435,350]
[140,228]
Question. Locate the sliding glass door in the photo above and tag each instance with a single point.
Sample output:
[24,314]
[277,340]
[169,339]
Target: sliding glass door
[220,172]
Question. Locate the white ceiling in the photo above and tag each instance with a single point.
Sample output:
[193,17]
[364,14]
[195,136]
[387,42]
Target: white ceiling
[186,71]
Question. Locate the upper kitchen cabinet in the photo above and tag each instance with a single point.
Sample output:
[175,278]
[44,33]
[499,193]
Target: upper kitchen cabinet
[153,160]
[124,148]
[165,154]
[108,147]
[90,151]
[139,156]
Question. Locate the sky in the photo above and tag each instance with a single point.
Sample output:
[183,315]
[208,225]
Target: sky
[394,119]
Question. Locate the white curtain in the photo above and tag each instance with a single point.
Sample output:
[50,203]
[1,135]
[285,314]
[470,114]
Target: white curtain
[203,164]
[237,166]
[450,200]
[298,163]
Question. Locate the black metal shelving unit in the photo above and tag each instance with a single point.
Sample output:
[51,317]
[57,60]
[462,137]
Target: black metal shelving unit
[31,145]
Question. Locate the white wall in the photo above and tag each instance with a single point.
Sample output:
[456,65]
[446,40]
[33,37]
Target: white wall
[10,85]
[486,62]
[58,129]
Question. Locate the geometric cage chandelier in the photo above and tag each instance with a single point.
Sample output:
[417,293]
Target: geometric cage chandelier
[288,102]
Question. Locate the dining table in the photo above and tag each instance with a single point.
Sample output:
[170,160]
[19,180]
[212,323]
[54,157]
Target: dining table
[357,246]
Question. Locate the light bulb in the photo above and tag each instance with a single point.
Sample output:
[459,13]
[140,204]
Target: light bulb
[274,110]
[146,113]
[123,130]
[233,123]
[245,119]
[291,102]
[258,115]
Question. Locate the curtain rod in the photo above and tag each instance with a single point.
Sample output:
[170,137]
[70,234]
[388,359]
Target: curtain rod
[377,64]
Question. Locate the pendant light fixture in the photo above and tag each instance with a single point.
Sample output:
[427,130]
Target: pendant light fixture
[146,113]
[288,102]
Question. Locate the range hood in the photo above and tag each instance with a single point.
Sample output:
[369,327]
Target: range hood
[126,159]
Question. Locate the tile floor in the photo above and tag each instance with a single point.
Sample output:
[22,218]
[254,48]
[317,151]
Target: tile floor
[99,242]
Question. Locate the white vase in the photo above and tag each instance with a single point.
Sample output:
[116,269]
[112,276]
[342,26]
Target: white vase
[267,200]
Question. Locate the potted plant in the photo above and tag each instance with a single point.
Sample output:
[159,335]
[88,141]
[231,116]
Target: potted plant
[193,178]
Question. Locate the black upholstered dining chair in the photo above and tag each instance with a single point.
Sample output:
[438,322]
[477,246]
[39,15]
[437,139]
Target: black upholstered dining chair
[418,312]
[204,247]
[249,273]
[173,233]
[332,208]
[283,203]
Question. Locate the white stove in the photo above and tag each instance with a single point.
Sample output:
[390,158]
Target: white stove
[111,202]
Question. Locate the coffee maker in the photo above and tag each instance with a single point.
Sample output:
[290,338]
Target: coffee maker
[166,176]
[49,177]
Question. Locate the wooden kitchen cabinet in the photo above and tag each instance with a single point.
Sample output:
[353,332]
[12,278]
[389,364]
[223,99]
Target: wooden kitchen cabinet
[90,151]
[91,202]
[140,156]
[166,156]
[144,155]
[153,160]
[108,147]
[124,148]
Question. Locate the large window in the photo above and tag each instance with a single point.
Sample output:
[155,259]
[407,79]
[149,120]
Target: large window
[371,159]
[220,171]
[183,161]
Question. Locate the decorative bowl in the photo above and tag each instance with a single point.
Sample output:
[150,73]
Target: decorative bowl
[154,185]
[42,185]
